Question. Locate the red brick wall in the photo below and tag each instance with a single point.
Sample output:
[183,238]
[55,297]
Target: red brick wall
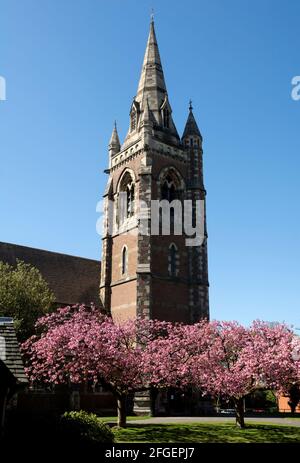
[170,300]
[123,300]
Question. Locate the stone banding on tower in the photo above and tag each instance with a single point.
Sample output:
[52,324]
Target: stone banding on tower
[152,151]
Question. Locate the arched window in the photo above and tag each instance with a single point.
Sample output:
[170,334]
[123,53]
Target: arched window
[173,258]
[130,199]
[168,189]
[133,120]
[124,260]
[126,198]
[166,118]
[171,189]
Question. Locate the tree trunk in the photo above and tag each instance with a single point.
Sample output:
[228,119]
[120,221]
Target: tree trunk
[294,397]
[239,412]
[153,396]
[121,405]
[292,406]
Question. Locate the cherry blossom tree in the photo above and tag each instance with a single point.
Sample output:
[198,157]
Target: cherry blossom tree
[77,345]
[239,360]
[170,358]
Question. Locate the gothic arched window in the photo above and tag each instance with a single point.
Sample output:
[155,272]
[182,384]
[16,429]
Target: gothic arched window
[172,189]
[126,198]
[173,258]
[124,260]
[130,199]
[168,189]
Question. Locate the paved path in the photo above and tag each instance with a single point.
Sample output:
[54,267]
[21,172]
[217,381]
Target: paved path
[212,419]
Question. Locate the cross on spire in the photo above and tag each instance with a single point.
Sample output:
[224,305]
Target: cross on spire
[152,15]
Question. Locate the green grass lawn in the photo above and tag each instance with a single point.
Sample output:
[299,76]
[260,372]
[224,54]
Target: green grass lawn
[207,432]
[113,419]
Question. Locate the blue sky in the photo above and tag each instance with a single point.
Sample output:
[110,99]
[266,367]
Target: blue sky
[72,67]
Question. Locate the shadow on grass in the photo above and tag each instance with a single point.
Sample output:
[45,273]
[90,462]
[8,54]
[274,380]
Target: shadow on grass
[221,433]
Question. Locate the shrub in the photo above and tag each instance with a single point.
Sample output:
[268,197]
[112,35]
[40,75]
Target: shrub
[72,430]
[84,428]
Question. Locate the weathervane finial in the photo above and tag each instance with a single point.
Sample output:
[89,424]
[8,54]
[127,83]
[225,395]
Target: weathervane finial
[152,15]
[190,105]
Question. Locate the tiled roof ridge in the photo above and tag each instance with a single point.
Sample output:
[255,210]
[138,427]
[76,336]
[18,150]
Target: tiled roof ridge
[47,251]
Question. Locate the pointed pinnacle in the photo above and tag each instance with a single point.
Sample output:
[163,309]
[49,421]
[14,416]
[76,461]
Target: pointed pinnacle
[114,139]
[191,127]
[146,116]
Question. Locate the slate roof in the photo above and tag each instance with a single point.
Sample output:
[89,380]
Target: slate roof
[72,279]
[10,353]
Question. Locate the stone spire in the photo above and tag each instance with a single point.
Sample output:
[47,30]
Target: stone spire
[152,83]
[114,142]
[152,92]
[191,127]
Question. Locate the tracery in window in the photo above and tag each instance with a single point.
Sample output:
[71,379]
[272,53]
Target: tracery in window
[168,189]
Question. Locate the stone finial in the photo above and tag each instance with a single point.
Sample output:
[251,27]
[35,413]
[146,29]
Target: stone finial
[114,142]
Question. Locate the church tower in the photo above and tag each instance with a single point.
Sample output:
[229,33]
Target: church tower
[145,273]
